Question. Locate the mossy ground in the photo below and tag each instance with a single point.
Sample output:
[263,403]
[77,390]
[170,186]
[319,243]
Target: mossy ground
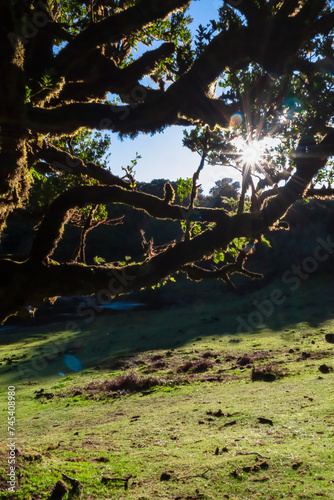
[165,405]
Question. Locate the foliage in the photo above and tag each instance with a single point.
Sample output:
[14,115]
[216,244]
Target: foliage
[265,242]
[86,145]
[74,14]
[130,170]
[237,245]
[224,194]
[99,261]
[326,174]
[218,257]
[184,187]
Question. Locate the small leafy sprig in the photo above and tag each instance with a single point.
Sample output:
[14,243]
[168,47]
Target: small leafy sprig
[184,187]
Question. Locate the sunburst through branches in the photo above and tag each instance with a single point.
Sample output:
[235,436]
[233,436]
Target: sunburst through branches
[251,153]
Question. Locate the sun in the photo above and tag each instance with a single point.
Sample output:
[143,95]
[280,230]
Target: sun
[251,153]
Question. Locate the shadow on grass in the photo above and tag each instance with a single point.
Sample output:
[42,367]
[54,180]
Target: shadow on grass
[203,310]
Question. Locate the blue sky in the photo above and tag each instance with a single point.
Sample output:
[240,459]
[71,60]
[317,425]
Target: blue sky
[162,154]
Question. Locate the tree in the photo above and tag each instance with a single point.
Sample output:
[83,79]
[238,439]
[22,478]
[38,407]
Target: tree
[222,192]
[68,66]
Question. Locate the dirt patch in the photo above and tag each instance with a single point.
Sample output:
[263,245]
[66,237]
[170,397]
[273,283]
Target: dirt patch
[156,357]
[314,355]
[210,354]
[165,476]
[267,373]
[260,465]
[115,364]
[130,382]
[245,360]
[249,359]
[201,365]
[101,459]
[158,365]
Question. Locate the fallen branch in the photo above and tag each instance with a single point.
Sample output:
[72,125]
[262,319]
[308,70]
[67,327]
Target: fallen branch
[124,480]
[252,453]
[202,474]
[75,483]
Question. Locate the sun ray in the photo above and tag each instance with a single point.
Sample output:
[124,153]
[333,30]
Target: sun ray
[253,144]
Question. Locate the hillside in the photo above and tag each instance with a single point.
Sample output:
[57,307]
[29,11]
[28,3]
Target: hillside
[174,403]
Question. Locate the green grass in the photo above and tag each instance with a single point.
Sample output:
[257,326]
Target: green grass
[100,435]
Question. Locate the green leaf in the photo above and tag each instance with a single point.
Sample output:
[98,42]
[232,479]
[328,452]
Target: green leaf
[28,93]
[239,243]
[34,174]
[99,261]
[196,229]
[265,242]
[218,257]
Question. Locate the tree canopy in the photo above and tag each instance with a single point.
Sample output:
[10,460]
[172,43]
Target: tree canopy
[254,86]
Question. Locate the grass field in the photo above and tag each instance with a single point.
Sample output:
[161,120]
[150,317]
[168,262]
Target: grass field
[175,403]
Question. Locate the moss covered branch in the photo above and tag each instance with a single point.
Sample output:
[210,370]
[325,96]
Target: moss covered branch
[108,78]
[51,229]
[309,160]
[112,30]
[62,161]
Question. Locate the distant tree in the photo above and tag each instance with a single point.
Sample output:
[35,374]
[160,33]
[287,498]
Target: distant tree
[262,68]
[225,187]
[221,192]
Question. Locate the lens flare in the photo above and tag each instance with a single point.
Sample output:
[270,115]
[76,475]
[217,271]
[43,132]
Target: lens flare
[236,120]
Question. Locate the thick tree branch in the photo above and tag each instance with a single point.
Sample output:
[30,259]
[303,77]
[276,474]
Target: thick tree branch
[50,230]
[325,24]
[197,273]
[67,119]
[108,78]
[320,192]
[30,282]
[64,162]
[112,30]
[288,7]
[177,102]
[250,9]
[309,193]
[308,164]
[153,115]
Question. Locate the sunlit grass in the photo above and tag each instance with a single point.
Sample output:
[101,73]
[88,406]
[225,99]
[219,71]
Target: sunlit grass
[101,437]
